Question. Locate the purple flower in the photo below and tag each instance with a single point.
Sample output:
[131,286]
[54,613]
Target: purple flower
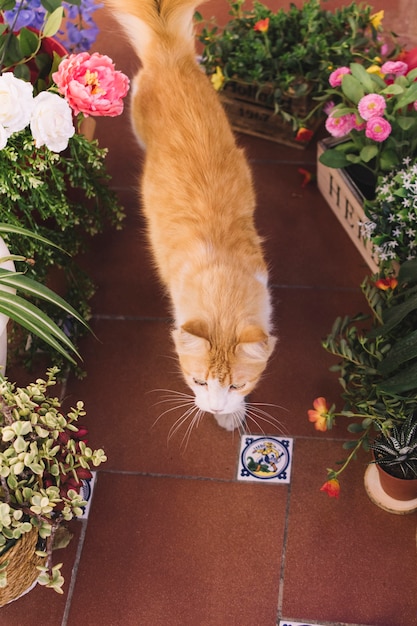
[378,129]
[335,78]
[372,105]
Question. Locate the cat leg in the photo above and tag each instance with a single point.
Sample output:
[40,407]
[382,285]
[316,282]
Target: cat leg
[231,421]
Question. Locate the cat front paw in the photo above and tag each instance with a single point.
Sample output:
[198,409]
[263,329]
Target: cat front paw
[230,421]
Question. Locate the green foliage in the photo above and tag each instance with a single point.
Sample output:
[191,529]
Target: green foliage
[377,358]
[296,54]
[43,459]
[379,157]
[65,198]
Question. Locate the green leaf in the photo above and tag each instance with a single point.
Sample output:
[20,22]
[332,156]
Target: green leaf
[352,88]
[393,90]
[368,153]
[18,230]
[409,96]
[405,123]
[334,158]
[36,322]
[53,23]
[19,281]
[29,42]
[355,428]
[360,73]
[406,380]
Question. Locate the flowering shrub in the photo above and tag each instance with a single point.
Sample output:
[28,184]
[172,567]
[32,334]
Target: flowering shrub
[375,115]
[392,216]
[80,30]
[44,456]
[377,366]
[291,51]
[53,179]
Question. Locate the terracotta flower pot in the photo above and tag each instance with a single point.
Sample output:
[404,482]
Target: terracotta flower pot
[395,495]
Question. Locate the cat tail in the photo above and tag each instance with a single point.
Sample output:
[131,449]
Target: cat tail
[157,27]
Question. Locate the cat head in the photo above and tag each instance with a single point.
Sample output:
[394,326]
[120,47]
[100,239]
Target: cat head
[221,371]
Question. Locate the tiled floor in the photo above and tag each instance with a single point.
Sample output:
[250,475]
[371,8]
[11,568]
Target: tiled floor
[173,539]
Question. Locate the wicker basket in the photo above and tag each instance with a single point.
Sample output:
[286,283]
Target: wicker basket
[22,565]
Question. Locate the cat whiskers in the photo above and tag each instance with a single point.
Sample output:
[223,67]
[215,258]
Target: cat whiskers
[255,413]
[192,413]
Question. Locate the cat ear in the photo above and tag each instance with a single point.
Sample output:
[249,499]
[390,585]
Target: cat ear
[191,338]
[255,344]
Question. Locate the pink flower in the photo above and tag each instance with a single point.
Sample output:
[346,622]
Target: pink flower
[372,105]
[339,126]
[378,129]
[328,107]
[91,85]
[398,68]
[335,78]
[415,105]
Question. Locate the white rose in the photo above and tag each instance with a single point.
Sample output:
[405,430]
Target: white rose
[16,102]
[4,135]
[51,121]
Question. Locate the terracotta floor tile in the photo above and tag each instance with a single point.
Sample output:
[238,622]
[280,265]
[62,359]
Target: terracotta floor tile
[130,361]
[173,538]
[180,552]
[346,560]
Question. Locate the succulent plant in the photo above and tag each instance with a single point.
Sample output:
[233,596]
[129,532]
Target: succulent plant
[397,452]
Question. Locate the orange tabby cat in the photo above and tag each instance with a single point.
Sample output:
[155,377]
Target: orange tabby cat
[198,200]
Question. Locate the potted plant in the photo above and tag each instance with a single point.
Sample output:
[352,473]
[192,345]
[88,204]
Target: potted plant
[377,365]
[390,219]
[54,183]
[44,457]
[283,59]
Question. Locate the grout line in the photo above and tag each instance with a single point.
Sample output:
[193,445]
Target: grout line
[77,561]
[129,318]
[284,545]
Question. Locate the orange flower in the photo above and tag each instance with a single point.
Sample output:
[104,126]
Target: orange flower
[318,415]
[307,176]
[332,488]
[303,135]
[262,26]
[386,283]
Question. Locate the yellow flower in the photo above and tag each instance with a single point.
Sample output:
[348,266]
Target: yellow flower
[217,79]
[375,69]
[318,415]
[376,19]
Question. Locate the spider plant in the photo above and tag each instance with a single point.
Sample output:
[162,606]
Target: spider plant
[26,314]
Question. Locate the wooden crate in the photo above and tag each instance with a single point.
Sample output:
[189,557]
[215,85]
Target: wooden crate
[250,110]
[346,202]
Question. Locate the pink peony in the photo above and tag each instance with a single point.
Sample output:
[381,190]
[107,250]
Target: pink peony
[372,105]
[339,126]
[335,78]
[378,129]
[91,85]
[398,68]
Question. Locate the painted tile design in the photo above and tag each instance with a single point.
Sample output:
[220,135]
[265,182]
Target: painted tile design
[265,459]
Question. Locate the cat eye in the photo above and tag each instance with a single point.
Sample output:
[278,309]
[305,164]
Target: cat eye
[200,382]
[236,386]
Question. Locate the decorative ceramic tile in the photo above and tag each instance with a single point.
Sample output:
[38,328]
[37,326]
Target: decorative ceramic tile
[265,459]
[285,622]
[87,494]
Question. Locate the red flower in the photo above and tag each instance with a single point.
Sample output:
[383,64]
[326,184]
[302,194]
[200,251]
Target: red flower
[332,488]
[319,414]
[262,26]
[303,135]
[386,283]
[308,176]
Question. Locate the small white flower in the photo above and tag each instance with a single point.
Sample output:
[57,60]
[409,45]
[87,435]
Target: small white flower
[51,123]
[16,103]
